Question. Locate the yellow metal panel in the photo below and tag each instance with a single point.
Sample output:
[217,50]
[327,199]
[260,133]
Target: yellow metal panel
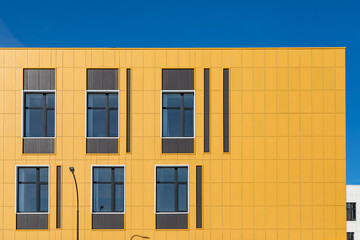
[286,169]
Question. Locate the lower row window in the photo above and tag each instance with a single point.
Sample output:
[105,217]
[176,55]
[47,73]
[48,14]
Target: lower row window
[108,189]
[171,189]
[32,189]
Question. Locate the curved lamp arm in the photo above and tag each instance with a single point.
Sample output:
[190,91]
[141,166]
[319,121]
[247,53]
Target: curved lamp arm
[144,237]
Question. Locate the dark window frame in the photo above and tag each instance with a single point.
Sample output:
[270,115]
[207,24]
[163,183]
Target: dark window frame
[176,187]
[107,111]
[350,236]
[113,184]
[44,109]
[38,184]
[182,112]
[351,211]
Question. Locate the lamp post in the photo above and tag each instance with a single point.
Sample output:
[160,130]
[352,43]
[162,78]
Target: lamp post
[72,170]
[144,237]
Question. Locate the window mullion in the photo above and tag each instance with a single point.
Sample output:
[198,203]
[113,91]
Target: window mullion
[182,115]
[176,191]
[107,116]
[112,190]
[44,112]
[37,189]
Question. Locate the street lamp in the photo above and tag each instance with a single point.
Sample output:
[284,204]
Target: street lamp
[72,170]
[144,237]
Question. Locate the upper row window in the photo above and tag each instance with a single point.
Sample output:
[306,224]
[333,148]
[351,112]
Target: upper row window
[39,117]
[178,114]
[102,114]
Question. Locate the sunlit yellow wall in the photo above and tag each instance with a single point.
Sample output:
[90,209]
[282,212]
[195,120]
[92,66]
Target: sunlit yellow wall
[284,177]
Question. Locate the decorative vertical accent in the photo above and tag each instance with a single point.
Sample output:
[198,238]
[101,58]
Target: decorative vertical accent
[206,109]
[58,197]
[198,196]
[226,109]
[128,108]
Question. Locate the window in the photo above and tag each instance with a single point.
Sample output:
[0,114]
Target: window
[351,211]
[108,189]
[102,114]
[350,236]
[39,114]
[32,189]
[177,114]
[171,189]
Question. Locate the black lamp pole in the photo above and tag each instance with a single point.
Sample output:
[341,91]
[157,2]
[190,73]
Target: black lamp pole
[72,170]
[144,237]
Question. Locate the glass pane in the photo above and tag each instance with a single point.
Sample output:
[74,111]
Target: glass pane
[33,123]
[165,174]
[189,100]
[96,100]
[102,174]
[171,100]
[189,123]
[113,123]
[27,174]
[113,100]
[34,100]
[102,197]
[44,198]
[27,198]
[50,100]
[165,197]
[171,123]
[182,197]
[182,174]
[50,123]
[96,123]
[44,175]
[119,197]
[119,174]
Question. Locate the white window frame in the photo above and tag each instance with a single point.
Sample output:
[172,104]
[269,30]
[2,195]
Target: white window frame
[91,188]
[23,112]
[161,110]
[188,187]
[16,185]
[86,103]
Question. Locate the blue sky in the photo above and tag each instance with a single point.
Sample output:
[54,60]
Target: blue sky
[185,23]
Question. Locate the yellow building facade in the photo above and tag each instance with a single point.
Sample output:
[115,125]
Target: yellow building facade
[283,175]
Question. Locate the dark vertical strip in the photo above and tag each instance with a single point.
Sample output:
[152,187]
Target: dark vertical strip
[226,109]
[206,109]
[198,196]
[128,149]
[58,197]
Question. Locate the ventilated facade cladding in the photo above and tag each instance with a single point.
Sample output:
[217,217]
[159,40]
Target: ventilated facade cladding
[283,176]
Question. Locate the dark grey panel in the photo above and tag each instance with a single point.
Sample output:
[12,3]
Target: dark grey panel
[39,79]
[102,79]
[206,110]
[128,110]
[226,109]
[108,221]
[101,145]
[58,197]
[38,145]
[32,221]
[178,79]
[199,196]
[178,145]
[171,221]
